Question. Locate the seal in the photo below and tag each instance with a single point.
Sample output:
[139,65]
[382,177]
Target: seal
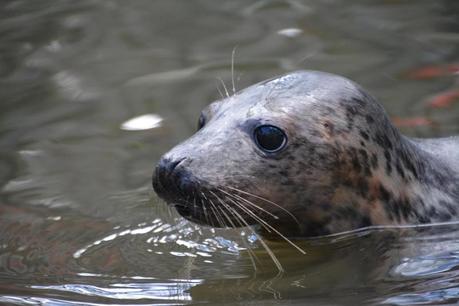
[307,154]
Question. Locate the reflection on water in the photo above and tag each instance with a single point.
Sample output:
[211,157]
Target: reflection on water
[167,291]
[143,122]
[93,92]
[183,234]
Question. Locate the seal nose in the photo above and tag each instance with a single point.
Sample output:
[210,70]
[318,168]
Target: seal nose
[166,167]
[169,180]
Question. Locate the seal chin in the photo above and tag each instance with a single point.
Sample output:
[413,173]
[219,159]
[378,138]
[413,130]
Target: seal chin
[199,216]
[186,212]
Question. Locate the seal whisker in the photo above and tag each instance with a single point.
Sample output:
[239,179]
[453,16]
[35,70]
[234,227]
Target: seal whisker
[262,222]
[221,210]
[224,87]
[215,211]
[194,204]
[263,243]
[273,88]
[217,214]
[271,253]
[252,255]
[206,215]
[225,205]
[232,69]
[267,201]
[250,213]
[220,92]
[267,225]
[250,203]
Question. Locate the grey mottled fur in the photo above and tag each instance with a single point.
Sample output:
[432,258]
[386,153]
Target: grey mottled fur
[345,165]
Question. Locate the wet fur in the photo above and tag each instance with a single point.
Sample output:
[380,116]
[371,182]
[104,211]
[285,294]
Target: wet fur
[345,165]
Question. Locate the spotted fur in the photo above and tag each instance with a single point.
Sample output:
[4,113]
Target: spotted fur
[345,165]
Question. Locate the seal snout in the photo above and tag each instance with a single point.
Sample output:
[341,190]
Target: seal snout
[171,180]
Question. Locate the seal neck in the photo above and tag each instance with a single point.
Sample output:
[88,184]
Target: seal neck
[417,186]
[393,180]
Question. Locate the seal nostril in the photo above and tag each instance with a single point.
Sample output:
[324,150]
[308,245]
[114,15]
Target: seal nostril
[166,174]
[166,166]
[174,165]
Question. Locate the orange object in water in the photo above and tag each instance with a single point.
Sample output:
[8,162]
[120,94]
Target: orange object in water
[411,122]
[444,99]
[429,72]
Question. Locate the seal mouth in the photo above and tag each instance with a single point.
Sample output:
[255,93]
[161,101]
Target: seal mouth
[202,205]
[198,201]
[212,207]
[197,215]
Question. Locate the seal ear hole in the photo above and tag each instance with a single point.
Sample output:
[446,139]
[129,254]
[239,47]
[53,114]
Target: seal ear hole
[201,121]
[269,138]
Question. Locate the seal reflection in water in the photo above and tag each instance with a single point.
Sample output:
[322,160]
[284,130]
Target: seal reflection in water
[308,154]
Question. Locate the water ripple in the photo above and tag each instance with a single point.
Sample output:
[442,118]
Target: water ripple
[171,290]
[432,297]
[178,235]
[427,265]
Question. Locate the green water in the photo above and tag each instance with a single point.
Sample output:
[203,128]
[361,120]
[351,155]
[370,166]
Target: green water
[79,222]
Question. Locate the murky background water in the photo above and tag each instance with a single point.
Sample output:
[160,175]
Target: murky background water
[79,222]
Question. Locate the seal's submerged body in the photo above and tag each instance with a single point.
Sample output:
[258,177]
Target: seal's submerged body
[308,154]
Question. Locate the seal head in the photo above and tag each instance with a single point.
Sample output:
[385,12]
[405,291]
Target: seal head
[308,153]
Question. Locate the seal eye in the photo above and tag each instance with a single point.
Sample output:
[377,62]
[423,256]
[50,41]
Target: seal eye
[201,121]
[270,138]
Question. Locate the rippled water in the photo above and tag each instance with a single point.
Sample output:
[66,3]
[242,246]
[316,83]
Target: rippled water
[93,92]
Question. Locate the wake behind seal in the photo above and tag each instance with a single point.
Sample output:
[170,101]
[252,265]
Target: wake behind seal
[308,154]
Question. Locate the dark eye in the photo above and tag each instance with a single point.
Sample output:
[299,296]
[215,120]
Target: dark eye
[201,121]
[270,138]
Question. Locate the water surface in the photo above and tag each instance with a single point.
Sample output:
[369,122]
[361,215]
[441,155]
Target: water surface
[92,93]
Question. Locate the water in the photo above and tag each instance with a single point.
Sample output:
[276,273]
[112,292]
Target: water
[93,92]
